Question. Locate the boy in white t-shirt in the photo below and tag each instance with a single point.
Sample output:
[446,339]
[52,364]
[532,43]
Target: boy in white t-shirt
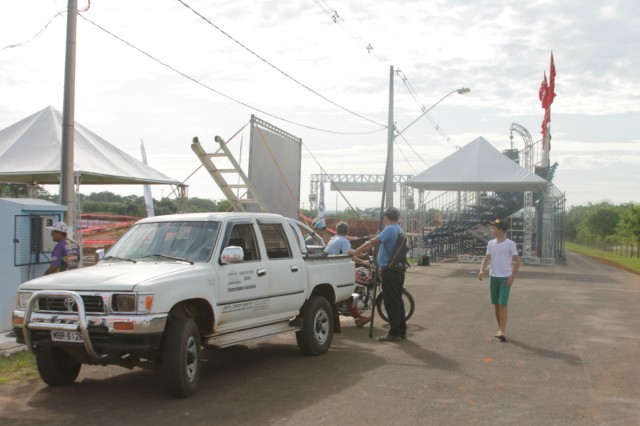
[501,253]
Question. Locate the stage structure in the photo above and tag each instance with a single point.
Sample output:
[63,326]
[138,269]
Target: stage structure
[272,183]
[454,223]
[360,183]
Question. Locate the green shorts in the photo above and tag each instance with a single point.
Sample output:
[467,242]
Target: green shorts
[499,290]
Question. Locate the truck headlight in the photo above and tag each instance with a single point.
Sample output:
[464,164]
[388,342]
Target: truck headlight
[23,299]
[132,302]
[123,302]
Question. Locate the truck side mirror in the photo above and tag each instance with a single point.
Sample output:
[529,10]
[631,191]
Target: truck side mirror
[232,254]
[99,255]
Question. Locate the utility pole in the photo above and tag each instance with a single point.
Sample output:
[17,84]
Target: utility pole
[68,118]
[388,175]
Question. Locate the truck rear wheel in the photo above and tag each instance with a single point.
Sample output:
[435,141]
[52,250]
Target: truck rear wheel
[57,368]
[317,327]
[181,357]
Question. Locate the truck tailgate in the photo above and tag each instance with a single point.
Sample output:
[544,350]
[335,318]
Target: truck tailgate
[338,270]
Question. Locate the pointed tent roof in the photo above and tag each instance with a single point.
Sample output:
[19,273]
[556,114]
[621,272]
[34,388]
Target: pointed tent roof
[478,166]
[30,152]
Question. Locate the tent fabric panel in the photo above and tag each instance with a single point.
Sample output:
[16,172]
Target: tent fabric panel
[30,151]
[478,166]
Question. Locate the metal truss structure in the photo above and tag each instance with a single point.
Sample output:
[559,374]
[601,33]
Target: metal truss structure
[528,208]
[354,182]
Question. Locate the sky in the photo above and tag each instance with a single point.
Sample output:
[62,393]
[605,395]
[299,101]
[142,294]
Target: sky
[315,78]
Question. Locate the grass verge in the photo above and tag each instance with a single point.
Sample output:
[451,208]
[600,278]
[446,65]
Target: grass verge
[631,264]
[17,366]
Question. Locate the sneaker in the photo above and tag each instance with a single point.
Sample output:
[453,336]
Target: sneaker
[361,321]
[389,338]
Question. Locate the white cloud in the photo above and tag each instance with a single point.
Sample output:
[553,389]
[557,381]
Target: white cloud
[497,49]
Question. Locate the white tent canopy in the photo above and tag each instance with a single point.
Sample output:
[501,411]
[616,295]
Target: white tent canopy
[30,152]
[478,166]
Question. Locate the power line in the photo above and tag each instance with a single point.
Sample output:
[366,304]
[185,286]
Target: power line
[405,157]
[332,181]
[217,91]
[416,98]
[275,67]
[414,151]
[37,34]
[339,20]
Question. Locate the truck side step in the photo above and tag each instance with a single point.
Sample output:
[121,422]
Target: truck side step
[236,337]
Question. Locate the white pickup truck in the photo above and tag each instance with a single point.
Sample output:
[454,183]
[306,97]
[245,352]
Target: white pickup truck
[172,284]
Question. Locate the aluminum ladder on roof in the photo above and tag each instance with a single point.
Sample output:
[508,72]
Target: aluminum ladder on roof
[228,169]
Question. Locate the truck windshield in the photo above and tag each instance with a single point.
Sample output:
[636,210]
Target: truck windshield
[190,241]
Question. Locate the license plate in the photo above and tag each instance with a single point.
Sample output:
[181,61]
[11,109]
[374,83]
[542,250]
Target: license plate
[66,336]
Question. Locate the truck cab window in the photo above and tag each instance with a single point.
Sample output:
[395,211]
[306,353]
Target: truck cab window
[242,236]
[275,241]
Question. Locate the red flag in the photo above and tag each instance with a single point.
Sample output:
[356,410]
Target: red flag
[552,81]
[546,95]
[545,122]
[544,91]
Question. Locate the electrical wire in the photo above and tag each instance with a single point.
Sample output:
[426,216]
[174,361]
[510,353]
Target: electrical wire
[332,181]
[37,34]
[86,8]
[414,151]
[164,64]
[416,98]
[339,20]
[275,67]
[415,172]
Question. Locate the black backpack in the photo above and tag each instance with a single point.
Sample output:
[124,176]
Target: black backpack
[398,260]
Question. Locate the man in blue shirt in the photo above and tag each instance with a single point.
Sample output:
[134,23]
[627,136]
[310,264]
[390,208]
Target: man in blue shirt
[392,281]
[65,253]
[339,243]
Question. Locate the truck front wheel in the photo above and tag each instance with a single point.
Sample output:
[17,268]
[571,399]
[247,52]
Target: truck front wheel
[317,327]
[57,368]
[181,357]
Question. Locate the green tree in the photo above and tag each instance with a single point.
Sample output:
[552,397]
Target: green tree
[165,206]
[224,206]
[574,218]
[599,222]
[628,229]
[201,205]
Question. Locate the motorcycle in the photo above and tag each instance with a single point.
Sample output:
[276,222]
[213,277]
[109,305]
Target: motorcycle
[362,297]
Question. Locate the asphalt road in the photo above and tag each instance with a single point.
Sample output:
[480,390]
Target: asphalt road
[572,357]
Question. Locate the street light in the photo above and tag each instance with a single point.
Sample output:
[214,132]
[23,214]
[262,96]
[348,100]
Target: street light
[462,91]
[388,179]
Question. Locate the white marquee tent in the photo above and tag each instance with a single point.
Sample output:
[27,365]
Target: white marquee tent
[30,152]
[478,166]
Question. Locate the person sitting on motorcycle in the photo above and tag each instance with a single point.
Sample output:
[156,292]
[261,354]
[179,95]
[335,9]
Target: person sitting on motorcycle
[340,245]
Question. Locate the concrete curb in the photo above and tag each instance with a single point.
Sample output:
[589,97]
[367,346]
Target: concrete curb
[6,352]
[8,346]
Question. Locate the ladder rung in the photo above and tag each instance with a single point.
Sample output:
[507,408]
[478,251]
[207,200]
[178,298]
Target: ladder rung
[239,185]
[216,155]
[226,171]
